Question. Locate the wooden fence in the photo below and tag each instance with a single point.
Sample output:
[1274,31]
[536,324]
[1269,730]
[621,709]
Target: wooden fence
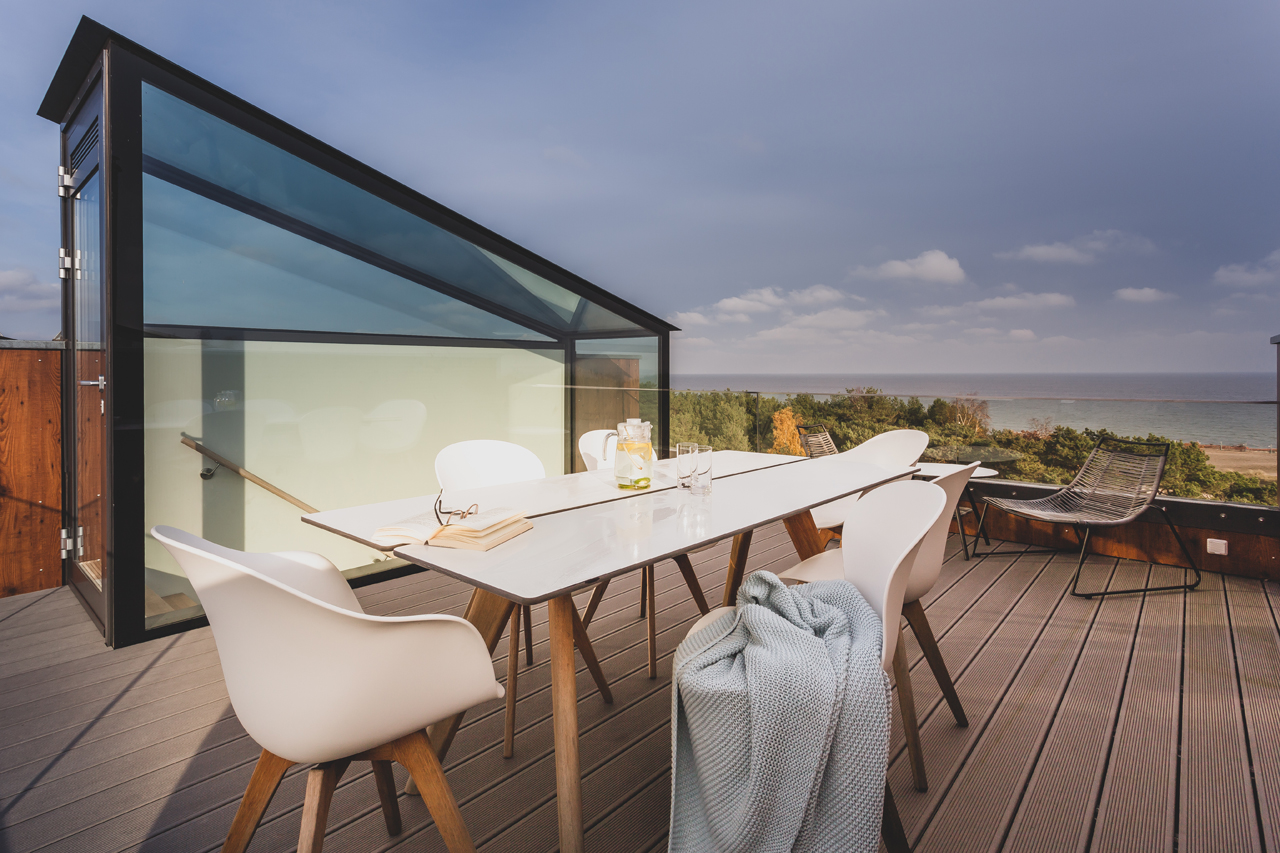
[30,469]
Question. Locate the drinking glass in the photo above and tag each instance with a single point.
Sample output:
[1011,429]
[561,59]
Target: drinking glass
[686,462]
[701,485]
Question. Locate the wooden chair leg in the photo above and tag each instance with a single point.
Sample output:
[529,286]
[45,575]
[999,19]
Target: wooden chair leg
[528,634]
[588,653]
[321,782]
[597,595]
[415,753]
[644,590]
[513,667]
[650,594]
[924,634]
[891,831]
[907,704]
[387,796]
[691,580]
[266,777]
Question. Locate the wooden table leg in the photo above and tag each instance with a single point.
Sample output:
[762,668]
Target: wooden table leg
[737,565]
[804,534]
[564,710]
[489,613]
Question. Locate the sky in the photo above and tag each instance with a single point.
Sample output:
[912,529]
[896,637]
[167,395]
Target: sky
[888,187]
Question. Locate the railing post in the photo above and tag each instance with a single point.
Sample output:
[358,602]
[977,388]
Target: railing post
[1276,340]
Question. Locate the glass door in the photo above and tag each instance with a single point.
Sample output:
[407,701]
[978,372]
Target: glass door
[86,542]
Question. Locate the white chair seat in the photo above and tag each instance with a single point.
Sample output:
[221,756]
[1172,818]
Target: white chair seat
[834,513]
[827,566]
[715,614]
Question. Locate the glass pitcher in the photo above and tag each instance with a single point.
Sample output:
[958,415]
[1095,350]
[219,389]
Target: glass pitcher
[633,462]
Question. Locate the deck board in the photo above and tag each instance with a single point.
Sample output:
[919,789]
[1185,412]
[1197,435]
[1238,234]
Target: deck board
[1215,795]
[1078,710]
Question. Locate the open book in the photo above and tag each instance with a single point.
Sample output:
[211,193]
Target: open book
[477,532]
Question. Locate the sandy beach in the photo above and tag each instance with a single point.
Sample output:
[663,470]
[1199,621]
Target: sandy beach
[1256,463]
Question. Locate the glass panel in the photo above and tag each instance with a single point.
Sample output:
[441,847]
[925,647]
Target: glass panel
[614,380]
[210,265]
[187,144]
[89,391]
[334,425]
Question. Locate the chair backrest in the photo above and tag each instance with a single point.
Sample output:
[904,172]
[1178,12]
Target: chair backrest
[598,447]
[816,441]
[891,449]
[311,680]
[928,562]
[1118,480]
[882,535]
[486,462]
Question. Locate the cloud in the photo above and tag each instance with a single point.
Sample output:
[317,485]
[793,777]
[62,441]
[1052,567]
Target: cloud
[934,265]
[1024,301]
[693,342]
[758,301]
[1021,335]
[1142,294]
[21,290]
[1250,275]
[819,294]
[1081,250]
[828,325]
[689,318]
[983,332]
[738,317]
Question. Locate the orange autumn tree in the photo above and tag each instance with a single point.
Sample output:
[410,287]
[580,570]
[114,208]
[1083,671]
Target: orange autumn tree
[786,438]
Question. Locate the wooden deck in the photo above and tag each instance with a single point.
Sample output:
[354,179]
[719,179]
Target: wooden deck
[1136,723]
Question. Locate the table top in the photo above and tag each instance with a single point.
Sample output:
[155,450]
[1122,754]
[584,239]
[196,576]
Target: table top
[533,497]
[939,469]
[576,549]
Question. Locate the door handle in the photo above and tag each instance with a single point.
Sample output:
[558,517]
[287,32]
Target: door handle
[101,382]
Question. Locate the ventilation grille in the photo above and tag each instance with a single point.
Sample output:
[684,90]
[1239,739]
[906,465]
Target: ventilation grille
[86,144]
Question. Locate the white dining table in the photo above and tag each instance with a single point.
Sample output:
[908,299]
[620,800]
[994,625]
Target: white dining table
[580,546]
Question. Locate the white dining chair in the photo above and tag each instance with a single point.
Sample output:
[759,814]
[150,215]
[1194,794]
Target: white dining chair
[897,448]
[315,680]
[487,462]
[924,571]
[883,534]
[598,447]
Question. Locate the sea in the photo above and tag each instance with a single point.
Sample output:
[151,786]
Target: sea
[1211,408]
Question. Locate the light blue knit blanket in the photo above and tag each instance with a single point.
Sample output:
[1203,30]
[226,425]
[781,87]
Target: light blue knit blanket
[781,724]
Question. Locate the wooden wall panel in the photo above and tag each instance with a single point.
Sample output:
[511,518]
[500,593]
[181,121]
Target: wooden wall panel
[1249,555]
[600,406]
[30,470]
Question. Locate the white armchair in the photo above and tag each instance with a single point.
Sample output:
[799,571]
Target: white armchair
[892,449]
[314,680]
[883,534]
[598,447]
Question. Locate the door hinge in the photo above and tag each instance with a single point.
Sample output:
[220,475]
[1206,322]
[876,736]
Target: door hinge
[66,544]
[64,264]
[65,181]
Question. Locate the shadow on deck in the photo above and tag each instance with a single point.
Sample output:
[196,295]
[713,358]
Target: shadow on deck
[1134,723]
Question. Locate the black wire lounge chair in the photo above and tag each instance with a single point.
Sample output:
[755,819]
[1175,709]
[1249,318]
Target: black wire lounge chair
[816,441]
[1118,483]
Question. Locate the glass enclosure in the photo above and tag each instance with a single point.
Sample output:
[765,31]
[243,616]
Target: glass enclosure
[330,343]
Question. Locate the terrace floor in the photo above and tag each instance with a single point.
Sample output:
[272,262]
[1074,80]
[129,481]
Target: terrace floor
[1136,723]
